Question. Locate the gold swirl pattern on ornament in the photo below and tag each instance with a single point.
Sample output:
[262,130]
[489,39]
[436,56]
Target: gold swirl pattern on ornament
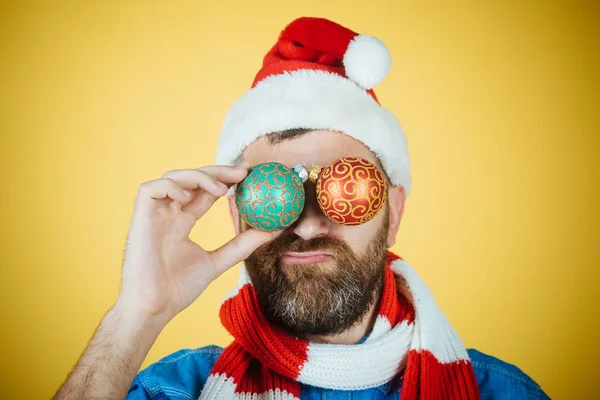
[351,191]
[277,203]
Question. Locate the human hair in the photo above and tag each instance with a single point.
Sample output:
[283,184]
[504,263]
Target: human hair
[288,134]
[277,137]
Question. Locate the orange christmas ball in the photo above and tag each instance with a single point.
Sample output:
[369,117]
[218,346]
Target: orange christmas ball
[351,190]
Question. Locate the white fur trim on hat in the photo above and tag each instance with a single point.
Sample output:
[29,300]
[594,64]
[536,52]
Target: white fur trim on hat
[315,100]
[367,61]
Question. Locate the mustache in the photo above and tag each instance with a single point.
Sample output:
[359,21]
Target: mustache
[295,243]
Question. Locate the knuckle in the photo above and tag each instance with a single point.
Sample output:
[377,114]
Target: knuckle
[144,187]
[151,186]
[171,183]
[203,178]
[207,175]
[169,173]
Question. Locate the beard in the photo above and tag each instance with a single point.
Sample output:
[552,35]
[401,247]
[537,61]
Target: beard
[324,298]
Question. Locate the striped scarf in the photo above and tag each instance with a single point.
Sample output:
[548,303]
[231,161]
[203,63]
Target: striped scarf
[410,334]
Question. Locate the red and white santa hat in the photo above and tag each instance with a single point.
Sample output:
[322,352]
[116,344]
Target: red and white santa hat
[320,75]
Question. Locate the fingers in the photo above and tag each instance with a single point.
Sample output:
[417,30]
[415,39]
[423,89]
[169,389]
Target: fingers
[199,187]
[220,176]
[193,179]
[239,248]
[226,174]
[162,189]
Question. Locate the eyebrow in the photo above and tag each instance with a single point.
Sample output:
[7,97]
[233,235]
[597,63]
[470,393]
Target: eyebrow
[288,134]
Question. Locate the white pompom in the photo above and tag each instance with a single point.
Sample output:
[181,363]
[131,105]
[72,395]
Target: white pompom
[367,61]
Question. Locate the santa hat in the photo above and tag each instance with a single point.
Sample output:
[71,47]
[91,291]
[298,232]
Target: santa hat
[320,75]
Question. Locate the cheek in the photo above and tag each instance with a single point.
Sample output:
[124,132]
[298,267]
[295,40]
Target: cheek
[357,237]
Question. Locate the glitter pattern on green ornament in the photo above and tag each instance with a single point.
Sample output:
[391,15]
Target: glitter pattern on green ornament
[271,197]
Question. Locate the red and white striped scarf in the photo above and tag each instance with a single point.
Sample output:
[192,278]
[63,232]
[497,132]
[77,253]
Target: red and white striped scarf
[410,333]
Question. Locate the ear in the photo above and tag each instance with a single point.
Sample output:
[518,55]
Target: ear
[396,200]
[234,214]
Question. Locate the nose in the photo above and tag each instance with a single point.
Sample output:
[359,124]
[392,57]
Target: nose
[312,222]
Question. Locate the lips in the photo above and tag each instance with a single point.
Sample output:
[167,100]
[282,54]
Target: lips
[304,258]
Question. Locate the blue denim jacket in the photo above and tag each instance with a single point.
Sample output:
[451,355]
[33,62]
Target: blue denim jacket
[182,375]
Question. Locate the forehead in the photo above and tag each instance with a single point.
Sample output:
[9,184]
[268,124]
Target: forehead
[318,147]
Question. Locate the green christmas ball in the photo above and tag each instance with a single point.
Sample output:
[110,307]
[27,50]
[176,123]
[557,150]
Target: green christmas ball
[271,197]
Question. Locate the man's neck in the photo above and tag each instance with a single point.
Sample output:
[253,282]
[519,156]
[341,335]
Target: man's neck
[352,335]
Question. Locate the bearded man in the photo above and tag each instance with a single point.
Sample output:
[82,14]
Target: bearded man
[322,308]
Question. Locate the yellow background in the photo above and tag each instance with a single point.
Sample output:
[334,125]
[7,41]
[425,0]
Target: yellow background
[499,102]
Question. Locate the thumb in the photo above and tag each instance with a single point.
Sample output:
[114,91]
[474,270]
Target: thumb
[238,249]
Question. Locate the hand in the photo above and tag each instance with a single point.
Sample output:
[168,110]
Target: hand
[163,270]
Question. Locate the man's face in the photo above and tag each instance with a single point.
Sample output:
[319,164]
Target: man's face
[317,277]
